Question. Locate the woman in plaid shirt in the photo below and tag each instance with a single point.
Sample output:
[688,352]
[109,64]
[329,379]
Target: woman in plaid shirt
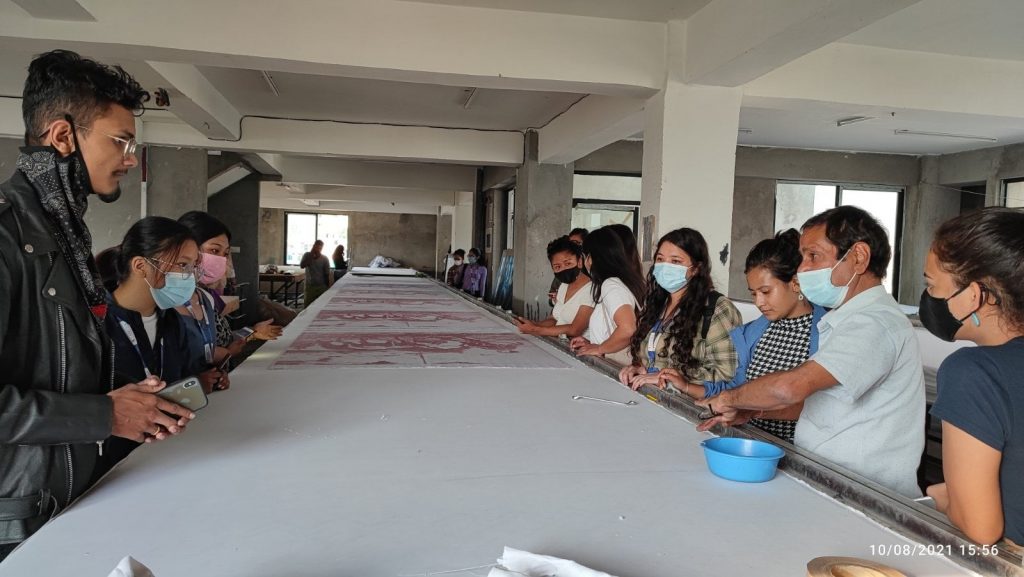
[683,332]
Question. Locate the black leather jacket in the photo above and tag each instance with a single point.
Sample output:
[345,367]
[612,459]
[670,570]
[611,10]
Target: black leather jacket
[55,371]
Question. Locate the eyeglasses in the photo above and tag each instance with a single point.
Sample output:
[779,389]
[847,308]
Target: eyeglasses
[182,271]
[129,145]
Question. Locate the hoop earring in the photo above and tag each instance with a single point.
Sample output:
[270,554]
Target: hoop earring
[800,297]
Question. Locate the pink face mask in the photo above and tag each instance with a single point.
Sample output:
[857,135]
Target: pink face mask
[214,267]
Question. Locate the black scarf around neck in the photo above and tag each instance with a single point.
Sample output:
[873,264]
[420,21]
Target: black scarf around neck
[62,186]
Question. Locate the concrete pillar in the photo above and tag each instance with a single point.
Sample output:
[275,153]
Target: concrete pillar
[444,242]
[238,207]
[462,222]
[176,181]
[689,167]
[543,212]
[925,206]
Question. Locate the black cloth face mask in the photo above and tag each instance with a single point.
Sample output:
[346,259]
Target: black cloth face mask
[935,316]
[567,276]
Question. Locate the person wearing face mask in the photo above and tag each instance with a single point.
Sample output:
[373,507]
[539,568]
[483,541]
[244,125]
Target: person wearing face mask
[214,240]
[683,332]
[146,274]
[975,292]
[56,401]
[782,338]
[576,236]
[474,274]
[863,390]
[454,276]
[573,302]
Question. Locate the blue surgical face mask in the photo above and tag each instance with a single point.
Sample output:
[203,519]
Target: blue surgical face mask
[818,288]
[177,290]
[671,277]
[471,259]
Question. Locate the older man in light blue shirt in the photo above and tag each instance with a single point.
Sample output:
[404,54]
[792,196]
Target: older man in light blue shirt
[863,391]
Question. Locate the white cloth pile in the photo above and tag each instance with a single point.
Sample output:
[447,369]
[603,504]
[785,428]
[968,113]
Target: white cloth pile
[516,563]
[381,261]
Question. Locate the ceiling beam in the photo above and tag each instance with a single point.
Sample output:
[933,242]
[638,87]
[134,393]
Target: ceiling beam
[363,194]
[69,10]
[900,79]
[193,98]
[593,123]
[382,39]
[334,171]
[732,42]
[357,141]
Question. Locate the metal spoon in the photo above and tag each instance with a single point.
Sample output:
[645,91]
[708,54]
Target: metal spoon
[625,404]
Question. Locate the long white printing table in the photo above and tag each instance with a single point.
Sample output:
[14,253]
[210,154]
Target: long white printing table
[349,448]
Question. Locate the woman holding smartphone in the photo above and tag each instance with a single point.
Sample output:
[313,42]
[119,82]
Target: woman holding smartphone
[147,275]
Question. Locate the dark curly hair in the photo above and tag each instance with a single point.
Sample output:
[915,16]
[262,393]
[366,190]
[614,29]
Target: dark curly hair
[63,83]
[563,244]
[685,325]
[779,255]
[845,226]
[986,246]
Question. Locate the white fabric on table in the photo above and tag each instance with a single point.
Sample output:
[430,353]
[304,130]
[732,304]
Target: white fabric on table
[129,567]
[516,563]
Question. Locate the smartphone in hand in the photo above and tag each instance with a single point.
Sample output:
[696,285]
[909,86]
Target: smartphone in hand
[187,392]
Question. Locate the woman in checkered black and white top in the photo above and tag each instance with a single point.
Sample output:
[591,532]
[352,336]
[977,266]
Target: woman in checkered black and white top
[784,336]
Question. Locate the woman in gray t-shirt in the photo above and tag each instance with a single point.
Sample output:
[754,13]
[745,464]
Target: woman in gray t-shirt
[318,272]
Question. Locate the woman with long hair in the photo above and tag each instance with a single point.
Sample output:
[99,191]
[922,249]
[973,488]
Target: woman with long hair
[782,338]
[615,290]
[474,274]
[683,333]
[628,239]
[573,305]
[975,292]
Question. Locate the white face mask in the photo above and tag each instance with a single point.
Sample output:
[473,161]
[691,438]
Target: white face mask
[818,288]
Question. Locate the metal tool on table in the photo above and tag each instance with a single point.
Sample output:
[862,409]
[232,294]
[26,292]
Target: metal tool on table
[610,402]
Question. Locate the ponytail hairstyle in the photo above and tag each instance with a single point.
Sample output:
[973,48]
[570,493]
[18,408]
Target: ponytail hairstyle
[986,246]
[779,255]
[684,327]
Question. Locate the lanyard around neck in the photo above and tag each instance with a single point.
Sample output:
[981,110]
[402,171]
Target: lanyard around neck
[207,331]
[128,332]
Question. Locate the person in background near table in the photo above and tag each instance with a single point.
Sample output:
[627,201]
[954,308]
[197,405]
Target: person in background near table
[628,239]
[214,240]
[474,274]
[863,391]
[615,290]
[683,333]
[975,292]
[577,236]
[153,268]
[574,303]
[340,264]
[318,272]
[782,338]
[56,400]
[454,276]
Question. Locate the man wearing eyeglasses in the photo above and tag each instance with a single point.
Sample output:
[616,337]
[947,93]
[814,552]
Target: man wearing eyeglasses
[57,405]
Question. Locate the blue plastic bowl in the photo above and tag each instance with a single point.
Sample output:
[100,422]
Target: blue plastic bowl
[744,460]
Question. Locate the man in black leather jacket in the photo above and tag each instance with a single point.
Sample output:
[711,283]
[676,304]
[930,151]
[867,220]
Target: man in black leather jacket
[57,405]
